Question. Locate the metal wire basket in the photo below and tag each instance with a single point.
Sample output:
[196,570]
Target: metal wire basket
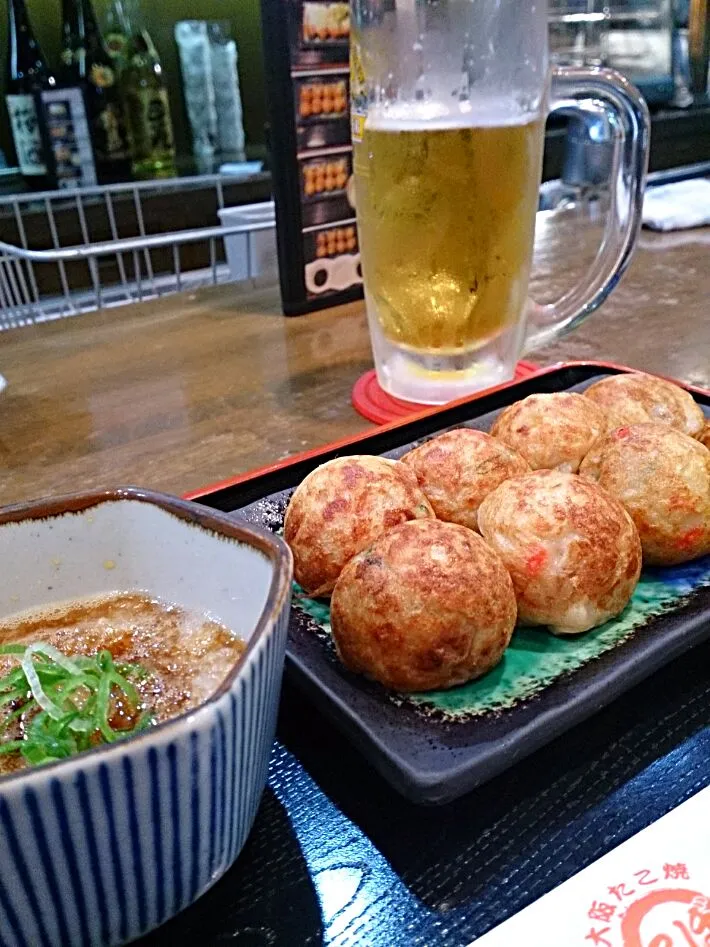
[47,273]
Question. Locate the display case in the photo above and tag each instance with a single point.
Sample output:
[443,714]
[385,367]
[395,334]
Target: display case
[633,36]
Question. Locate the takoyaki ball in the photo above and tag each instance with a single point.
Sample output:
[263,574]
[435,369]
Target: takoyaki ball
[428,605]
[340,508]
[458,469]
[662,477]
[551,431]
[637,398]
[572,550]
[704,436]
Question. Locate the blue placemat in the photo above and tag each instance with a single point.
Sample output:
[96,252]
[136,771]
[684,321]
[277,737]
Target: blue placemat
[337,858]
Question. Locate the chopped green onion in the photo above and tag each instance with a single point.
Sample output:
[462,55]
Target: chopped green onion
[125,685]
[5,723]
[11,746]
[28,666]
[66,701]
[11,696]
[103,695]
[12,681]
[54,655]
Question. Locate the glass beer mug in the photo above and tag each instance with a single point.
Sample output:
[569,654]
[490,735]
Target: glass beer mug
[449,101]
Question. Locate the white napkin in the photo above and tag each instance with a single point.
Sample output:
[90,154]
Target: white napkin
[241,169]
[658,880]
[677,206]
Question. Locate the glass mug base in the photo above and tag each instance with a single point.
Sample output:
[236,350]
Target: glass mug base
[437,379]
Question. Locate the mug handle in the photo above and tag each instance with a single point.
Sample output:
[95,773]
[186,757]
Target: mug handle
[606,95]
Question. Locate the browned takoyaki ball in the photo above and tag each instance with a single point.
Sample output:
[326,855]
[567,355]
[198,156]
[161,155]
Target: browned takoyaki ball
[637,398]
[571,549]
[704,436]
[551,431]
[662,477]
[340,508]
[458,469]
[428,605]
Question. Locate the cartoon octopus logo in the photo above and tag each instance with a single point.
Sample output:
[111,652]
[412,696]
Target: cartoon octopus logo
[683,915]
[660,916]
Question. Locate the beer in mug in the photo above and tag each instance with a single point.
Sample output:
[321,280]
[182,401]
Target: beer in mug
[449,102]
[446,218]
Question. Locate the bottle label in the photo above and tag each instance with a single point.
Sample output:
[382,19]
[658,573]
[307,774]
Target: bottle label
[69,133]
[26,134]
[116,45]
[103,77]
[109,133]
[151,127]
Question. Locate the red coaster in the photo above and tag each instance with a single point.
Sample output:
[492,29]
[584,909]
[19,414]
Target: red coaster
[373,403]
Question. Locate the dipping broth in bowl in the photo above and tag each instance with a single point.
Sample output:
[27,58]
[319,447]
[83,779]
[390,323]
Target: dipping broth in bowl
[142,642]
[80,674]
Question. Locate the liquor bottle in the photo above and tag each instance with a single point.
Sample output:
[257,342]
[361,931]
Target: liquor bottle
[145,95]
[73,53]
[87,63]
[117,30]
[28,75]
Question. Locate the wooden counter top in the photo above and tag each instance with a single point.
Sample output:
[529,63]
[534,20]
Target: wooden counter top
[178,393]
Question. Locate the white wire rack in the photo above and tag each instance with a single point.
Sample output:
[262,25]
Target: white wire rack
[72,252]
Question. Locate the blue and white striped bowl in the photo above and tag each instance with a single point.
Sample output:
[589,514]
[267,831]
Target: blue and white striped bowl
[103,847]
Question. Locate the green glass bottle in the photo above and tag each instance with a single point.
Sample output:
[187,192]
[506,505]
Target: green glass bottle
[86,63]
[117,30]
[145,95]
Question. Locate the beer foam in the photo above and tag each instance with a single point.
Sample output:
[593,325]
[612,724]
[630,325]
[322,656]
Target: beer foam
[425,116]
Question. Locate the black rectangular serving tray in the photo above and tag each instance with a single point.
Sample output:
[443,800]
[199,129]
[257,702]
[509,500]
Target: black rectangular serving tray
[432,760]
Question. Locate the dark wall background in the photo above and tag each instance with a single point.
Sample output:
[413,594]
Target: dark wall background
[160,17]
